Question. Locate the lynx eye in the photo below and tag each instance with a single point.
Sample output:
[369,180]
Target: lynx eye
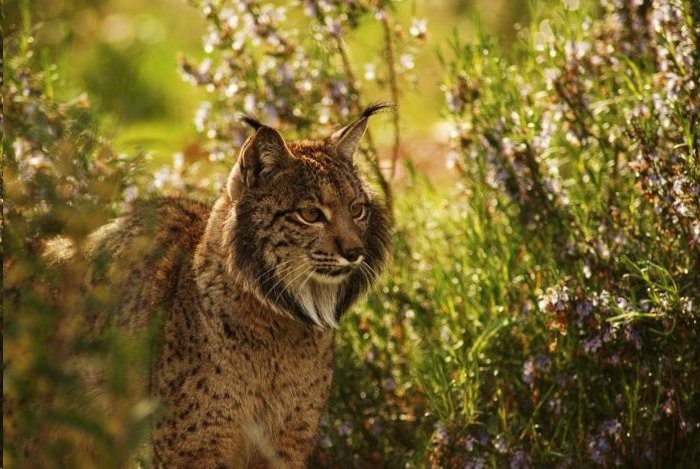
[310,215]
[358,210]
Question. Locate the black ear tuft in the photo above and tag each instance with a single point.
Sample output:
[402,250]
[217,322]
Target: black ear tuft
[251,121]
[348,138]
[375,108]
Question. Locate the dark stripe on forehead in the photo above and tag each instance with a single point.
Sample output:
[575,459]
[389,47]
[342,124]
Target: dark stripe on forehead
[276,216]
[322,166]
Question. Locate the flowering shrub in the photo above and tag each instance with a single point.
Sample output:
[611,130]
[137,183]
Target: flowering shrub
[293,68]
[584,143]
[59,178]
[546,312]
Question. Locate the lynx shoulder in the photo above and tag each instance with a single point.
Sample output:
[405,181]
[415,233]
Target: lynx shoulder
[250,292]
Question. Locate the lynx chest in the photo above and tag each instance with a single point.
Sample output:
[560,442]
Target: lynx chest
[238,380]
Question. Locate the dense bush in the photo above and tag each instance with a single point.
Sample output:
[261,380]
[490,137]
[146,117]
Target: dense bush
[59,178]
[547,312]
[292,66]
[543,313]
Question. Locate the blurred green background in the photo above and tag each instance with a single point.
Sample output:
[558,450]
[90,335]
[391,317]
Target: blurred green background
[124,55]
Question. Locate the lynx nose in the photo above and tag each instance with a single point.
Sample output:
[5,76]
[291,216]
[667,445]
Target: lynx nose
[353,254]
[351,249]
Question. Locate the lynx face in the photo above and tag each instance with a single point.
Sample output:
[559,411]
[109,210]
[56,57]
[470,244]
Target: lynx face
[304,230]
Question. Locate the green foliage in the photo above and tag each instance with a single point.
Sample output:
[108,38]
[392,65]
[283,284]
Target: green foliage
[59,178]
[546,311]
[124,92]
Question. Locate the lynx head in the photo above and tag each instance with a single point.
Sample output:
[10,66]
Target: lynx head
[304,232]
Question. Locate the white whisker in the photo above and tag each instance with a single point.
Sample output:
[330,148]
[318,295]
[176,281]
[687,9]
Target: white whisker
[272,268]
[370,275]
[282,280]
[371,270]
[365,274]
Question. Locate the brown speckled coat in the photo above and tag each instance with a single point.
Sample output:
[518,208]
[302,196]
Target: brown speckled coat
[243,385]
[247,295]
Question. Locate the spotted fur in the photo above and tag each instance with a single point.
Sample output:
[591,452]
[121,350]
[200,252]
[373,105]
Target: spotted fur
[250,292]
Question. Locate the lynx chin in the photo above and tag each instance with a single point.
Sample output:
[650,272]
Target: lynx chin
[248,294]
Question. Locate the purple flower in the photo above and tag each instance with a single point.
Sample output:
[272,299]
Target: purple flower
[597,448]
[344,429]
[528,371]
[592,345]
[476,463]
[519,460]
[469,443]
[440,435]
[584,308]
[501,444]
[325,442]
[611,428]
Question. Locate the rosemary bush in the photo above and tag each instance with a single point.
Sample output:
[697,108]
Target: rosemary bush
[59,178]
[546,312]
[292,67]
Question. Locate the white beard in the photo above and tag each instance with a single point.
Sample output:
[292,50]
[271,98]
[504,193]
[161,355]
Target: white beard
[319,301]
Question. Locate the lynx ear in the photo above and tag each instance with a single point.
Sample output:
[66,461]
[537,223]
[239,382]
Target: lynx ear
[348,138]
[262,154]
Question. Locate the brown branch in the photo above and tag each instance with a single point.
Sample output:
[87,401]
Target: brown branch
[372,155]
[394,88]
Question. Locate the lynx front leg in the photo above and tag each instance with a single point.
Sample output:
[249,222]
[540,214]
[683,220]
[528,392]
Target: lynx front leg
[296,438]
